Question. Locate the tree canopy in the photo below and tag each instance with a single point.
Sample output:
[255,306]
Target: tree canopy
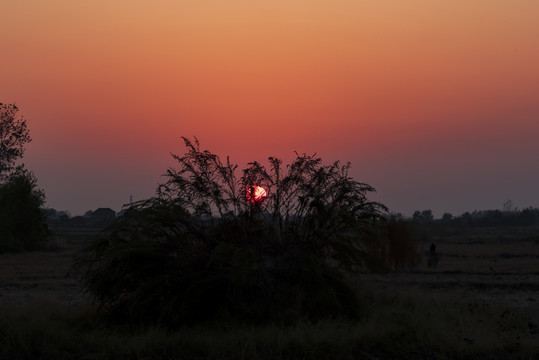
[14,135]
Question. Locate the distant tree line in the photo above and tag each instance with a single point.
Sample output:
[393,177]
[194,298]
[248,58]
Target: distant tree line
[482,218]
[96,219]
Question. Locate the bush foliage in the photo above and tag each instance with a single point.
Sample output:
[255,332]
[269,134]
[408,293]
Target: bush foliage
[200,251]
[393,244]
[22,220]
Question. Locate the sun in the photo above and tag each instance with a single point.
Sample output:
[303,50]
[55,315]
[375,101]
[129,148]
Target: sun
[256,194]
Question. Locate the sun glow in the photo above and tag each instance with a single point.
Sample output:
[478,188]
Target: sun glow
[256,194]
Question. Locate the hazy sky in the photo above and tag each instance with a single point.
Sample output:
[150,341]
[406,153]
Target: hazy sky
[435,103]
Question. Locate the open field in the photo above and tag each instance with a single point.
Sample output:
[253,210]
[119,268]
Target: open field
[496,267]
[43,275]
[482,301]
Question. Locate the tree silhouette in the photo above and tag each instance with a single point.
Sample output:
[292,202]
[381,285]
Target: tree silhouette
[201,250]
[14,135]
[22,221]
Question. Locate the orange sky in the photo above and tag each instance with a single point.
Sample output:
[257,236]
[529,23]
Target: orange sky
[435,103]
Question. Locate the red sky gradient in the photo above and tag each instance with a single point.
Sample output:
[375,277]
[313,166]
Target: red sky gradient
[436,104]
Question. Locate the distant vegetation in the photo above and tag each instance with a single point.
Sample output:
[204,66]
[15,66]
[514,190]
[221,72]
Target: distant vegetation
[22,221]
[96,219]
[200,251]
[483,218]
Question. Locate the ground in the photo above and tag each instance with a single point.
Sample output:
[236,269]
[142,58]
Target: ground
[495,266]
[44,275]
[488,275]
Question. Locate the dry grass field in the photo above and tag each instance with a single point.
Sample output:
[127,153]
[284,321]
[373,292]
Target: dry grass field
[44,275]
[490,266]
[482,301]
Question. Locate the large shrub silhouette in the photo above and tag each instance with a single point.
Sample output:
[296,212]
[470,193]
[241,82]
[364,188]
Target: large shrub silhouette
[200,251]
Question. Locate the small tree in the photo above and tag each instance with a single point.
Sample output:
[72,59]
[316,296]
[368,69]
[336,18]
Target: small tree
[509,206]
[201,249]
[14,135]
[447,218]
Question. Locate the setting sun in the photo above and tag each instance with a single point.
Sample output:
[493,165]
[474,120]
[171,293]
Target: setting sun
[256,194]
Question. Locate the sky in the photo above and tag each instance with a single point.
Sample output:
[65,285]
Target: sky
[435,103]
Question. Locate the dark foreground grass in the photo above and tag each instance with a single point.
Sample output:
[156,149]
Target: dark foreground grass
[392,327]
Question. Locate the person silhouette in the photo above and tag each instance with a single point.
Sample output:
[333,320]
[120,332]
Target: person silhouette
[432,259]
